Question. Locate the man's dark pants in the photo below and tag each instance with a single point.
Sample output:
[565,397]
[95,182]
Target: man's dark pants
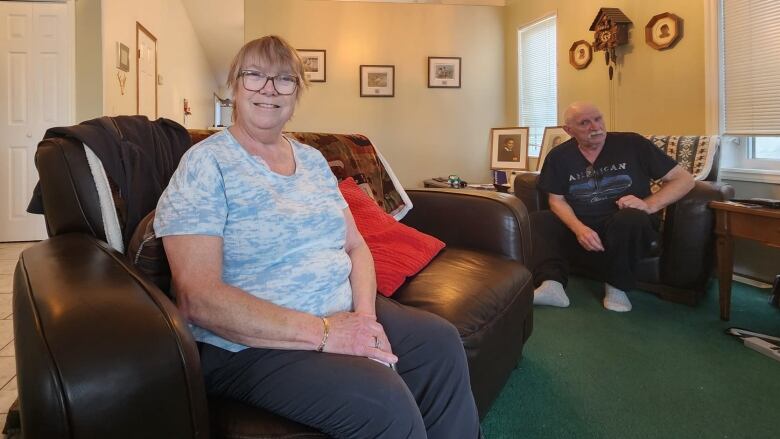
[625,235]
[354,397]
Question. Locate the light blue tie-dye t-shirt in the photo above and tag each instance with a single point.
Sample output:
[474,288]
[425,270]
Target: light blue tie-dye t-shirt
[283,236]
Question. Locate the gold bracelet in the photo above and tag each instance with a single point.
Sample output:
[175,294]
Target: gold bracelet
[325,333]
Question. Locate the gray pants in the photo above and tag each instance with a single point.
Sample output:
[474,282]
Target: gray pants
[354,397]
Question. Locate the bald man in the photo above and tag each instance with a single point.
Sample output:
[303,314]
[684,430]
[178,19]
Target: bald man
[602,213]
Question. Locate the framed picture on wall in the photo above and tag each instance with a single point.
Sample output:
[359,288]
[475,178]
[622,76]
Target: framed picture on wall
[509,148]
[580,54]
[377,81]
[443,72]
[122,57]
[663,31]
[553,136]
[313,64]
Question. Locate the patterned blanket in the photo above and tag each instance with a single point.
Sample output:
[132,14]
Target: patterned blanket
[694,153]
[352,155]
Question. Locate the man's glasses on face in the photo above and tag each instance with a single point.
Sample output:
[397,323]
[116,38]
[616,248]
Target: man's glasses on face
[255,81]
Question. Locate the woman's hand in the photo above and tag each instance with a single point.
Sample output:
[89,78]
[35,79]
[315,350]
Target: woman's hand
[359,334]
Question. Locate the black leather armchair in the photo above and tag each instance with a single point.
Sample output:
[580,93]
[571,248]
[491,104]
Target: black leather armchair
[681,266]
[102,351]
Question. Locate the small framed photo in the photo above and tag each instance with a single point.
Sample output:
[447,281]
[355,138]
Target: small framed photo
[122,57]
[313,64]
[377,81]
[580,54]
[509,148]
[553,136]
[663,31]
[443,72]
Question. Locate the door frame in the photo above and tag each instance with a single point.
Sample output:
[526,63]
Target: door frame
[138,29]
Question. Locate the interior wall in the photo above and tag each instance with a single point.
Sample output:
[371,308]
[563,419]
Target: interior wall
[180,61]
[653,92]
[89,60]
[423,132]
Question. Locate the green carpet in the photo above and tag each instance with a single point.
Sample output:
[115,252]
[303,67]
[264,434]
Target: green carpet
[663,370]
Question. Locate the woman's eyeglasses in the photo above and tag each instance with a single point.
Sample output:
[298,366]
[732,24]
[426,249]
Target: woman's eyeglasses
[255,81]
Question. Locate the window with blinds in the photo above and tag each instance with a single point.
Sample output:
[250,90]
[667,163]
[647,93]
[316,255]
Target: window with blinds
[538,82]
[751,67]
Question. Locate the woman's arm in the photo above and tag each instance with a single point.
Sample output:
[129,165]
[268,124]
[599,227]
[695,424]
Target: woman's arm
[205,300]
[363,277]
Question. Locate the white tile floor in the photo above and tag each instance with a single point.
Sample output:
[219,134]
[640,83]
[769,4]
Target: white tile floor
[9,254]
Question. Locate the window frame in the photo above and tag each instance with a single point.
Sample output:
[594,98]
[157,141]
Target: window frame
[533,148]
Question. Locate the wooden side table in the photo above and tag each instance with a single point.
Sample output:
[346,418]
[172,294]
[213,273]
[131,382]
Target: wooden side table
[734,220]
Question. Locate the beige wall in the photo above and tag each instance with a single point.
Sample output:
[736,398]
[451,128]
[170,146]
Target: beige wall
[180,60]
[422,132]
[89,59]
[659,92]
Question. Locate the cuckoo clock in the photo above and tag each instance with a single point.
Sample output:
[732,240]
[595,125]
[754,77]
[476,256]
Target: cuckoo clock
[610,29]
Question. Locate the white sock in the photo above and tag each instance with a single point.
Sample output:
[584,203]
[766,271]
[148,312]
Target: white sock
[551,293]
[616,299]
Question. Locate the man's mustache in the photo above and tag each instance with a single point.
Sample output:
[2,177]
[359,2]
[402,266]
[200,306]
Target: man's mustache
[595,133]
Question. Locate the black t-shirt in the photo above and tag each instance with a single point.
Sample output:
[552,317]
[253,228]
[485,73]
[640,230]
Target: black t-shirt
[625,166]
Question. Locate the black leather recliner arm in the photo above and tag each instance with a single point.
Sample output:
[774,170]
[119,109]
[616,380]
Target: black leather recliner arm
[105,353]
[483,220]
[688,235]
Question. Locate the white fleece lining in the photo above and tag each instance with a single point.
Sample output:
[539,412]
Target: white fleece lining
[107,208]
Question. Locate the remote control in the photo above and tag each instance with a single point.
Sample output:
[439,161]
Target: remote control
[766,202]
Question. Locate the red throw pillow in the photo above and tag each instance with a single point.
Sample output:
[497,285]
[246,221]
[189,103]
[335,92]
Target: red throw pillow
[399,251]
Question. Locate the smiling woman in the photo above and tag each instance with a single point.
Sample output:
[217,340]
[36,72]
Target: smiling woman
[258,217]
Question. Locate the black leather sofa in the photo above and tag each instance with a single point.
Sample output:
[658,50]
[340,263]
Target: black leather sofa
[102,352]
[678,267]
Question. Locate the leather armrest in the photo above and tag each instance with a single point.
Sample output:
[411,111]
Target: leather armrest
[688,234]
[474,219]
[526,190]
[100,351]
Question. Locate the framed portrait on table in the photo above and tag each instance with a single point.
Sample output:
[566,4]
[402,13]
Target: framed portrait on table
[509,148]
[553,136]
[377,81]
[313,64]
[443,72]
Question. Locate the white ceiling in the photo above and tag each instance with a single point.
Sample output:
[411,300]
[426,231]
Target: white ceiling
[219,26]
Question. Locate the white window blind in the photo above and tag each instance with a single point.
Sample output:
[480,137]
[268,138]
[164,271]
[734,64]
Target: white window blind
[751,67]
[537,79]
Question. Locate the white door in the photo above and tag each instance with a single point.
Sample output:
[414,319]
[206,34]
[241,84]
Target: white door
[147,72]
[35,94]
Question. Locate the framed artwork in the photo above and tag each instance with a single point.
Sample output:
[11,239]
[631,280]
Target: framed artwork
[122,57]
[443,72]
[553,136]
[663,31]
[377,81]
[580,54]
[313,64]
[509,148]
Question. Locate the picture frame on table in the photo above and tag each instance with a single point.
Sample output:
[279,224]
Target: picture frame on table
[552,137]
[444,72]
[377,81]
[509,148]
[314,64]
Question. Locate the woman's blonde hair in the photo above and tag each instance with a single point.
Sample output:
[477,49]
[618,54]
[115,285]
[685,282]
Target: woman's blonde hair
[270,50]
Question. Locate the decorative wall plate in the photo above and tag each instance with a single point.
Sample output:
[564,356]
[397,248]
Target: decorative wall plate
[580,54]
[663,31]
